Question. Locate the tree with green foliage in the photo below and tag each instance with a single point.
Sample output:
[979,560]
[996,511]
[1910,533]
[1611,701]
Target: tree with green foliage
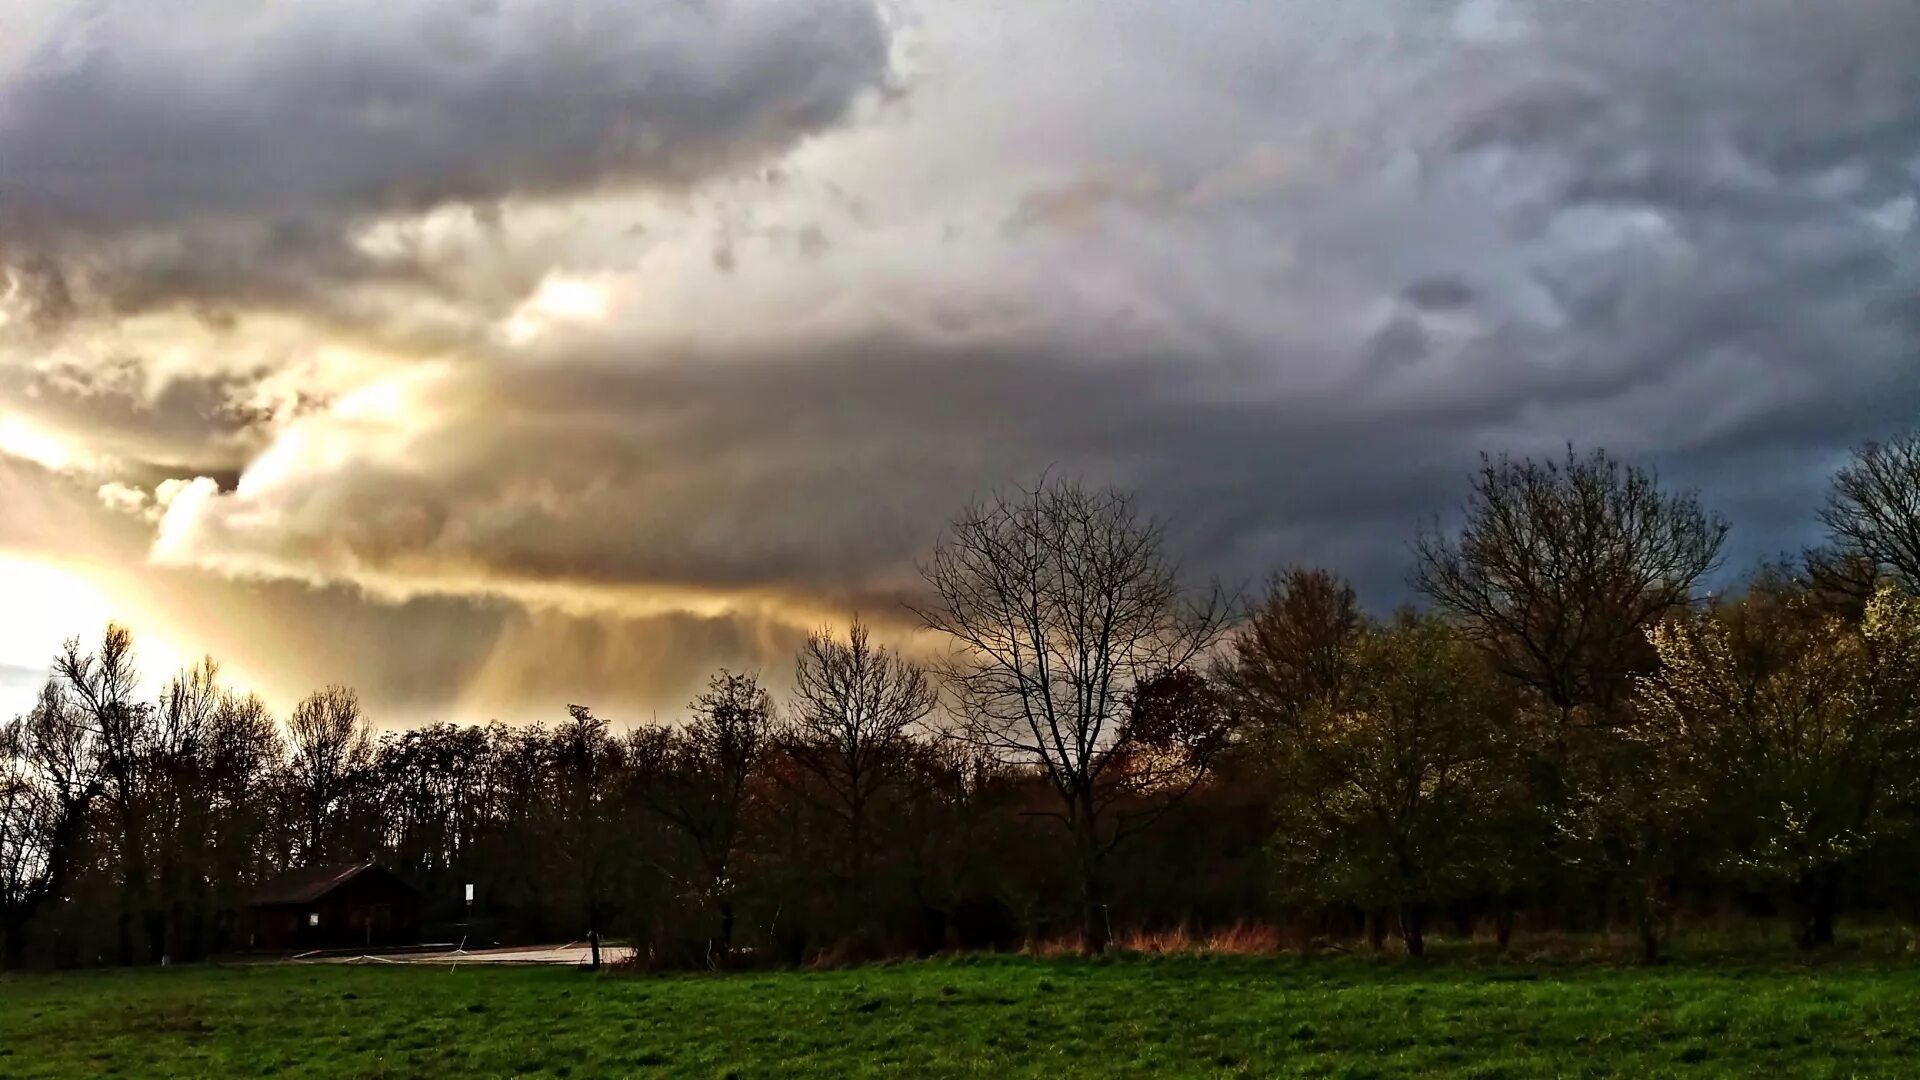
[1805,729]
[1557,571]
[1628,820]
[1393,789]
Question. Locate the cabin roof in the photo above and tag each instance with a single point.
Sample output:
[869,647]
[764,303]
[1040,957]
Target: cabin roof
[310,883]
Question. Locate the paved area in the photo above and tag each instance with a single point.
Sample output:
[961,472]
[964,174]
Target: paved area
[570,953]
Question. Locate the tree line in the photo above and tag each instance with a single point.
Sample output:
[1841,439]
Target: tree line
[1568,734]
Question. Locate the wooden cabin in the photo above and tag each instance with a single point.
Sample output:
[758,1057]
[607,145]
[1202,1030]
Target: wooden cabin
[342,905]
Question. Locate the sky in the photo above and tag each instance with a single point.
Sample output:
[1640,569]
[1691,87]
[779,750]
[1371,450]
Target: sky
[491,355]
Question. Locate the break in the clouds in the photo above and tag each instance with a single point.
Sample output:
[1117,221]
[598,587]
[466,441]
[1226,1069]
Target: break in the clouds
[670,328]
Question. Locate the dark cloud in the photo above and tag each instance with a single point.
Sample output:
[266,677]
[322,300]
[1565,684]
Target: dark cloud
[1440,294]
[133,115]
[37,286]
[406,299]
[823,477]
[1288,288]
[215,158]
[139,426]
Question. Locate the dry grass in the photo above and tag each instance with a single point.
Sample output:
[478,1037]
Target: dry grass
[1239,939]
[1744,938]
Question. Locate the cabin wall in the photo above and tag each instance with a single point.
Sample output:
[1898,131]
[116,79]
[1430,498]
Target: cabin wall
[370,910]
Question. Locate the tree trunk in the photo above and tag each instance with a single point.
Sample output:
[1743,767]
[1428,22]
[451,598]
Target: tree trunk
[316,808]
[13,925]
[134,909]
[1376,930]
[1649,913]
[1413,929]
[593,942]
[1095,929]
[856,860]
[196,947]
[1503,925]
[1820,927]
[1816,901]
[123,934]
[155,918]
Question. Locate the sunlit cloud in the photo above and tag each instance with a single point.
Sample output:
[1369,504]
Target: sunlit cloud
[582,330]
[561,301]
[22,438]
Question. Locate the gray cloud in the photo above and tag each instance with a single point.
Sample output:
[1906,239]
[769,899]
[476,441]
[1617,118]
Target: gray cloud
[147,428]
[1595,240]
[17,679]
[132,115]
[217,158]
[824,477]
[1286,279]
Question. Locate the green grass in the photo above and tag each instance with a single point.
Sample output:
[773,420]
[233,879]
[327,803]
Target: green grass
[1344,1017]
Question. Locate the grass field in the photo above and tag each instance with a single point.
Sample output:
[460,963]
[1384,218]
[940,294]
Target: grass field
[1193,1015]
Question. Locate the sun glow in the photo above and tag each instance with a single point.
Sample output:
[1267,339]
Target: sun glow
[23,439]
[45,605]
[561,300]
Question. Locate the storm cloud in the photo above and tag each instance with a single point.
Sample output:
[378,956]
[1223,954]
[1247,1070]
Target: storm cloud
[136,115]
[700,319]
[219,157]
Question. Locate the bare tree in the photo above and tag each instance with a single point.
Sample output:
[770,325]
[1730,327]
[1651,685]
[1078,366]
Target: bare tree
[1060,600]
[103,685]
[1296,648]
[176,796]
[331,749]
[698,779]
[854,705]
[434,794]
[584,793]
[242,752]
[48,781]
[1873,509]
[1560,568]
[24,845]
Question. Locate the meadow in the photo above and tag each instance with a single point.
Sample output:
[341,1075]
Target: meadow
[1191,1015]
